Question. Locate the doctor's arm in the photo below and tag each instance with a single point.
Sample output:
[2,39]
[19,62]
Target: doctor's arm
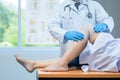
[56,30]
[55,26]
[104,22]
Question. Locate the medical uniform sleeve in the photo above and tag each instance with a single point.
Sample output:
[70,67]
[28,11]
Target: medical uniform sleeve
[102,16]
[55,27]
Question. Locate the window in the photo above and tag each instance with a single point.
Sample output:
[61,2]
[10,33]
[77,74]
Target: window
[20,20]
[8,23]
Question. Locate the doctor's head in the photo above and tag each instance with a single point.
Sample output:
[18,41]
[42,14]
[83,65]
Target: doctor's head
[76,0]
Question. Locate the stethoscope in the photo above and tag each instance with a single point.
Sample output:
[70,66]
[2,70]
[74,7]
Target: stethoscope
[89,15]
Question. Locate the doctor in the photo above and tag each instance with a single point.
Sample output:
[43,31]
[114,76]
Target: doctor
[69,16]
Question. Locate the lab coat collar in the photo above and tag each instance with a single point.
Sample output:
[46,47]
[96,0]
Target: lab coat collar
[84,1]
[81,1]
[73,2]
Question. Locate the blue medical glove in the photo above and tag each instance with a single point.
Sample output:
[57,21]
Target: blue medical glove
[73,35]
[101,27]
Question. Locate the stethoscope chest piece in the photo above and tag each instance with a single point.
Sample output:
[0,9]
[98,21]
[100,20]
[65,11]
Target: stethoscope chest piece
[89,15]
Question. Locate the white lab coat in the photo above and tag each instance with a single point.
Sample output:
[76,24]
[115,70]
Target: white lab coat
[65,20]
[105,53]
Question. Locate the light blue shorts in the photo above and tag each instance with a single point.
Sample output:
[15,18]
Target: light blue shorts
[118,64]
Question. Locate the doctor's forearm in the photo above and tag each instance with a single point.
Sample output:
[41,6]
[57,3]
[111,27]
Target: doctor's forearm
[57,33]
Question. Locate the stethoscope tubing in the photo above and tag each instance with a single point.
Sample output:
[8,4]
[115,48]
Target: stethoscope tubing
[89,15]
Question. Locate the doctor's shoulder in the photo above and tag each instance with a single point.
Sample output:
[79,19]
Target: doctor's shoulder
[95,3]
[64,3]
[60,5]
[95,6]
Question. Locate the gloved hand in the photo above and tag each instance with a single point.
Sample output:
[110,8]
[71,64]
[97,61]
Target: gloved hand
[101,27]
[73,35]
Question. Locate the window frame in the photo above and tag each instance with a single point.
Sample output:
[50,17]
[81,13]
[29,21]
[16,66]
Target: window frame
[19,23]
[19,46]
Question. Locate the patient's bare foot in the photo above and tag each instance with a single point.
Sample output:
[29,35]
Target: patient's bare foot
[57,67]
[27,64]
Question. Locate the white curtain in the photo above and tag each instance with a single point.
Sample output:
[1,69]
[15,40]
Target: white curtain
[37,20]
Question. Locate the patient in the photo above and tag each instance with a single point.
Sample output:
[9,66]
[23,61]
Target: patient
[104,56]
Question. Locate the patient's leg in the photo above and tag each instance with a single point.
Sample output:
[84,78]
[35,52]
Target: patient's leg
[62,63]
[56,64]
[74,50]
[31,65]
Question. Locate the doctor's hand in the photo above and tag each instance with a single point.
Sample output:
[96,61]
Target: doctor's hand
[101,27]
[73,35]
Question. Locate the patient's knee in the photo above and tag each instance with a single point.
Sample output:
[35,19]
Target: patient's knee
[89,33]
[86,30]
